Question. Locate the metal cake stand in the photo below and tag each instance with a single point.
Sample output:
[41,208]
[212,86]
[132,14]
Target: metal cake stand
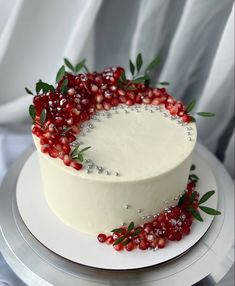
[208,261]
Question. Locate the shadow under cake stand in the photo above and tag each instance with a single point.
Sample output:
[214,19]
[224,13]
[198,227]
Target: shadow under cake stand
[209,259]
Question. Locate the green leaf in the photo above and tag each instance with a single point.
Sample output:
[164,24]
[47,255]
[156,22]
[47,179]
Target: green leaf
[181,200]
[130,226]
[60,74]
[45,87]
[194,177]
[130,88]
[193,167]
[132,67]
[125,242]
[80,157]
[84,149]
[120,84]
[191,106]
[164,83]
[195,213]
[32,111]
[80,65]
[123,77]
[69,65]
[139,79]
[192,118]
[210,211]
[117,230]
[139,62]
[75,151]
[206,114]
[28,91]
[136,232]
[43,116]
[65,130]
[86,69]
[64,86]
[192,197]
[153,64]
[119,240]
[206,197]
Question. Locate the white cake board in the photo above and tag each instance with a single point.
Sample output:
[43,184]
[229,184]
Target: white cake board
[84,249]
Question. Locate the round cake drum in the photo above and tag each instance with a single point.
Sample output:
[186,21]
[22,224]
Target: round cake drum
[85,249]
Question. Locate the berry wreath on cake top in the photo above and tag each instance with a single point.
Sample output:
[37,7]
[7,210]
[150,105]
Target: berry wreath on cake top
[62,116]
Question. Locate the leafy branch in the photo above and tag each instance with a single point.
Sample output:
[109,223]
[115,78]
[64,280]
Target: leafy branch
[137,75]
[194,212]
[191,106]
[78,154]
[126,238]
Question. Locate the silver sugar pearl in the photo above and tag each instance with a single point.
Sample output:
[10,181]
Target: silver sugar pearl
[126,207]
[107,173]
[116,174]
[123,224]
[140,211]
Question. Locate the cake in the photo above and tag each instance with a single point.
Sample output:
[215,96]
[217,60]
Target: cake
[113,152]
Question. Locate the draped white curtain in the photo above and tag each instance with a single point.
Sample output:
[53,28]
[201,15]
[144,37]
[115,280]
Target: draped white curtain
[194,38]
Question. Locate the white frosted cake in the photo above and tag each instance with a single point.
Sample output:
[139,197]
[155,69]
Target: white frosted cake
[138,166]
[112,151]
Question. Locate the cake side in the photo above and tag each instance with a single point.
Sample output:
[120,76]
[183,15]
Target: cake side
[93,202]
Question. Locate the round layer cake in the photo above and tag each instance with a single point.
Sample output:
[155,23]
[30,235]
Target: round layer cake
[137,166]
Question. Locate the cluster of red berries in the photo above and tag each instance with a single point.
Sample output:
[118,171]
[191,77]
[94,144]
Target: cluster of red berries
[170,225]
[85,94]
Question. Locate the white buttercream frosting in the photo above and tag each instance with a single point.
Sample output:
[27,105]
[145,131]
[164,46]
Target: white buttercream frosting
[150,151]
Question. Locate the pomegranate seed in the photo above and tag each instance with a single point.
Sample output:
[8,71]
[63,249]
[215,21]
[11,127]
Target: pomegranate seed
[102,237]
[161,243]
[143,245]
[71,91]
[67,160]
[94,88]
[178,236]
[99,98]
[107,106]
[191,186]
[76,165]
[53,153]
[155,101]
[186,118]
[146,100]
[118,247]
[110,239]
[130,246]
[129,102]
[45,148]
[99,106]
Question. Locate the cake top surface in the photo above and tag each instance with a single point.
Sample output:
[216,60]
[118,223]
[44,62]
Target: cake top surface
[151,134]
[131,143]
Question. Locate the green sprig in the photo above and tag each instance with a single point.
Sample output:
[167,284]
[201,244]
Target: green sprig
[78,154]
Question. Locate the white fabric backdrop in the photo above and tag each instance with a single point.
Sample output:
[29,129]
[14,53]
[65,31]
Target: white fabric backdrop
[195,39]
